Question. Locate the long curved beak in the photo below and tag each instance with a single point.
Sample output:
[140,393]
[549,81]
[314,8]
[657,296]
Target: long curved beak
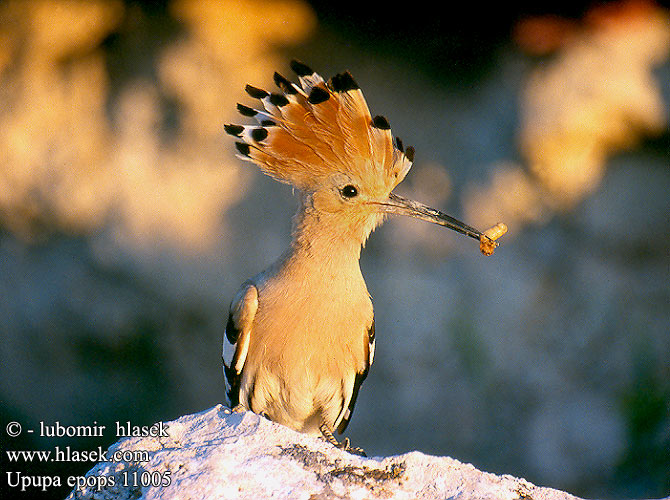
[402,206]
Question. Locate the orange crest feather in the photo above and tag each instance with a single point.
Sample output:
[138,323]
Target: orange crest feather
[317,129]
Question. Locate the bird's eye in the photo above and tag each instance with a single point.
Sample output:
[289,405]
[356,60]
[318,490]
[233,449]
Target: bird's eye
[349,191]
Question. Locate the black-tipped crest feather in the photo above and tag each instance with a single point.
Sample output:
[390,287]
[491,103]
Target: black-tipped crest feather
[255,92]
[381,123]
[300,68]
[284,84]
[232,129]
[343,82]
[246,110]
[318,95]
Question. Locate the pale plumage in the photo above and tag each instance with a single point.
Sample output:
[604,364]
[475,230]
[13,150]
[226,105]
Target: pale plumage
[300,337]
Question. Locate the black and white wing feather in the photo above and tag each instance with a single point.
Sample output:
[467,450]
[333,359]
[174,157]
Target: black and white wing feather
[236,339]
[348,410]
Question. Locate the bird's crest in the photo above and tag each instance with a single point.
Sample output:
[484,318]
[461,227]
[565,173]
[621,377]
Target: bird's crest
[310,131]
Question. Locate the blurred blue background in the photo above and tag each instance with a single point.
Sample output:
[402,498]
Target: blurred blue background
[127,223]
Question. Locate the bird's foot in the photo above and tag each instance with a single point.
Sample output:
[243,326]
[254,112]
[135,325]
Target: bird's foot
[354,450]
[344,445]
[239,409]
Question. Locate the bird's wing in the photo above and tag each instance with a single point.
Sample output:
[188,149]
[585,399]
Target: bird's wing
[348,407]
[236,339]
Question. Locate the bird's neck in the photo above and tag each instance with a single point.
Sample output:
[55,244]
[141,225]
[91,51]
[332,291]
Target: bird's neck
[327,238]
[324,257]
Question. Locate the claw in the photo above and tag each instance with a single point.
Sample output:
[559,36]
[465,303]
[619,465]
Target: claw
[344,445]
[239,409]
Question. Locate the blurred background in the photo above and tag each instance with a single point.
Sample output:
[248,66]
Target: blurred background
[127,223]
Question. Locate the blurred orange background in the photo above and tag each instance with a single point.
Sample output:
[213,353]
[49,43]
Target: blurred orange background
[127,223]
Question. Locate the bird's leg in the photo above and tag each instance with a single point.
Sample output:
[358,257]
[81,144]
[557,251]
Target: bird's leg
[239,409]
[344,445]
[330,437]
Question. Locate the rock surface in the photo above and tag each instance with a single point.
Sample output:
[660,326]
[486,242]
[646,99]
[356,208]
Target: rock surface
[217,454]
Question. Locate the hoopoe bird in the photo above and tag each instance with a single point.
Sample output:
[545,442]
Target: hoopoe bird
[300,336]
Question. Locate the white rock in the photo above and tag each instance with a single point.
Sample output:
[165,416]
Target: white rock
[217,454]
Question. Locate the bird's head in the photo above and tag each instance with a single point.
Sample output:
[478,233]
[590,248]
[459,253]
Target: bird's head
[320,137]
